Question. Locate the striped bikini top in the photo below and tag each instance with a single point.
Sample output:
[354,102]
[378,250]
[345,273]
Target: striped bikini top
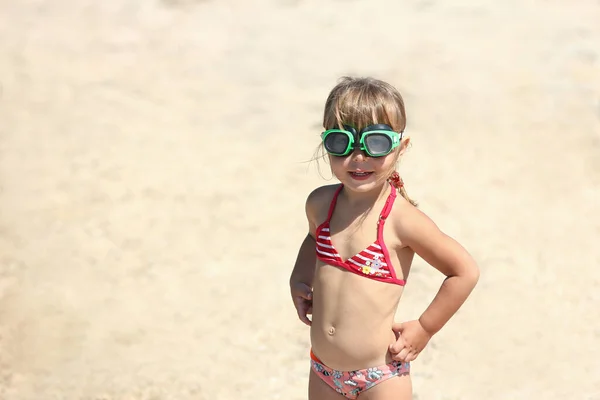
[372,262]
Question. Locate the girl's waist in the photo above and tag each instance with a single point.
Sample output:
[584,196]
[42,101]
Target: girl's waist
[346,349]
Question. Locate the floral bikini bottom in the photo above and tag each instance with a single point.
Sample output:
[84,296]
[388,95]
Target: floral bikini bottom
[351,383]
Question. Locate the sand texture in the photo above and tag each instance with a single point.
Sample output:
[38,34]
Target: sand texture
[153,173]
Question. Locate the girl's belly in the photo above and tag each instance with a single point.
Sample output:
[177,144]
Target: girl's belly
[352,319]
[350,348]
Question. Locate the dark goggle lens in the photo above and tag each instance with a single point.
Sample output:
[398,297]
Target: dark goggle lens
[378,144]
[336,143]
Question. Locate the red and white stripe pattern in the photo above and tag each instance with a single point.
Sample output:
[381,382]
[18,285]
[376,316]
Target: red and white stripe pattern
[370,261]
[325,248]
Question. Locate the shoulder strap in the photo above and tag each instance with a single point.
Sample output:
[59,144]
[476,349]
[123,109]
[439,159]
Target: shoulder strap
[333,201]
[384,214]
[389,203]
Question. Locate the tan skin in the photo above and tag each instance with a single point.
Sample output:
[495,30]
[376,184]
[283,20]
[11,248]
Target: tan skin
[352,325]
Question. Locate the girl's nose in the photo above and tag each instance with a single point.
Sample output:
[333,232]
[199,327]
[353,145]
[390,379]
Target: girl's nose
[358,155]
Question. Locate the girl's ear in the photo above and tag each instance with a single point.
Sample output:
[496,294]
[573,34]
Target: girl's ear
[404,143]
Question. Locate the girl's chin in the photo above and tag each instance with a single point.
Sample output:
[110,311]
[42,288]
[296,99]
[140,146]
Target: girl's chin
[361,183]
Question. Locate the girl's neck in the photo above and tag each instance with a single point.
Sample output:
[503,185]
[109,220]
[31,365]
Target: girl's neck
[365,199]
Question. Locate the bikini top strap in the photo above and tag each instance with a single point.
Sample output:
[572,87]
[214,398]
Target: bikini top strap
[333,201]
[384,214]
[389,203]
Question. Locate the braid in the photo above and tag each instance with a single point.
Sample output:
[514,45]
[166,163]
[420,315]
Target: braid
[398,183]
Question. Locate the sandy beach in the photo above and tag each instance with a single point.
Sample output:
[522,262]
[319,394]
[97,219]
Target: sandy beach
[154,163]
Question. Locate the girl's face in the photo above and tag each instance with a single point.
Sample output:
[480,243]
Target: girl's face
[361,173]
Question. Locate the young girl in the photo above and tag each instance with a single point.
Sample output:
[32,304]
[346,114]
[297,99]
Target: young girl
[355,260]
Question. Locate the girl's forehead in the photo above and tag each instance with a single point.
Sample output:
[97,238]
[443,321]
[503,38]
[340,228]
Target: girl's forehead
[365,123]
[361,121]
[360,116]
[366,118]
[370,127]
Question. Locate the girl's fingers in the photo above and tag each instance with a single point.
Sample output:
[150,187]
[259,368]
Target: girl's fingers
[302,310]
[304,318]
[403,354]
[397,346]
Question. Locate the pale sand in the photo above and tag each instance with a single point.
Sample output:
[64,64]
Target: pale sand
[153,183]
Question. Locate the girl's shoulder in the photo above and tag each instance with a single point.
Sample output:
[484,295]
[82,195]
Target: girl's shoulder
[319,200]
[323,193]
[411,223]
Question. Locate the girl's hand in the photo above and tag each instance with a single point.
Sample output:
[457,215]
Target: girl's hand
[411,339]
[302,296]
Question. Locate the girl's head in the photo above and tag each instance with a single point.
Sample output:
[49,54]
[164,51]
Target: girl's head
[369,114]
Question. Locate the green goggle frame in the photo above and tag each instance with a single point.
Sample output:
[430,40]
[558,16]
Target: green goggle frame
[375,140]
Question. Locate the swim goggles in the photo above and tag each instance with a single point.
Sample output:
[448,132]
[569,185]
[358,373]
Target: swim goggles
[375,140]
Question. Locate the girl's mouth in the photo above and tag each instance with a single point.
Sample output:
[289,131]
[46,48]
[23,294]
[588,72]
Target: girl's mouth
[360,176]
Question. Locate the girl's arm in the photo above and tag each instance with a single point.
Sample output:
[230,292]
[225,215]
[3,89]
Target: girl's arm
[420,233]
[304,268]
[302,276]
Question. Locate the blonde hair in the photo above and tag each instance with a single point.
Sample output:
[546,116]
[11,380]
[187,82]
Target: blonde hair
[361,102]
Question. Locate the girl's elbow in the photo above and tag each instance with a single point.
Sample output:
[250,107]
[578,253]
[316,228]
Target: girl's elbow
[472,274]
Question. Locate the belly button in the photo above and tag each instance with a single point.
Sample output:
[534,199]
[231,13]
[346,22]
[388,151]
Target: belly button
[331,331]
